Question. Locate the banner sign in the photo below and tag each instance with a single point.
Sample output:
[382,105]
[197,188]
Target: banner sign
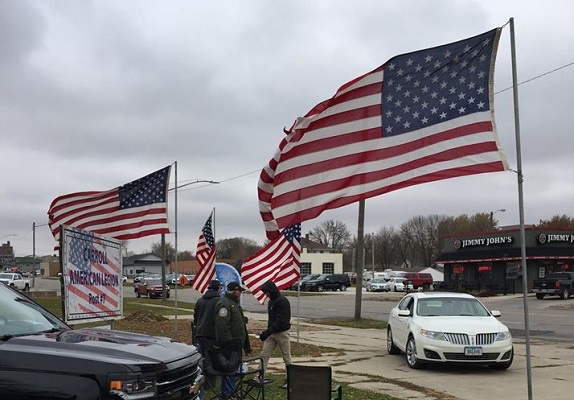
[92,271]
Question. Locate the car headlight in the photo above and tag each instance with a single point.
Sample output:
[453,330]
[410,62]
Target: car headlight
[433,335]
[132,387]
[503,336]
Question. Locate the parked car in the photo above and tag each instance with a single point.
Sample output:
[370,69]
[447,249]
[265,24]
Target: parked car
[398,284]
[304,278]
[555,284]
[150,287]
[419,280]
[448,328]
[43,358]
[378,285]
[327,282]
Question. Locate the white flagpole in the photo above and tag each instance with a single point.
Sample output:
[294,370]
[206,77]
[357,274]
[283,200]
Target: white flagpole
[521,209]
[298,301]
[176,266]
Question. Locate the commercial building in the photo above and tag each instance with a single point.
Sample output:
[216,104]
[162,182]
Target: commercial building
[319,259]
[492,260]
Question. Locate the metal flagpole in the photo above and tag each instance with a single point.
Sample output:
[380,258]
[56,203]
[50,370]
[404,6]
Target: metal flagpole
[521,209]
[360,260]
[176,267]
[298,308]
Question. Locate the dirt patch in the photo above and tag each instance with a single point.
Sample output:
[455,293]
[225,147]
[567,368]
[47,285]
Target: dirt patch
[145,316]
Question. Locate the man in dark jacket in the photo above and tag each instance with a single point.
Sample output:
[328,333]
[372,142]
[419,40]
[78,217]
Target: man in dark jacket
[278,325]
[230,325]
[204,323]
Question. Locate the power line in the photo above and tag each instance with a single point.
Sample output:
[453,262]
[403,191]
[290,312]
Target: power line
[537,77]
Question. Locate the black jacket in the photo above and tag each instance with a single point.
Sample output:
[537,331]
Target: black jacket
[279,309]
[204,314]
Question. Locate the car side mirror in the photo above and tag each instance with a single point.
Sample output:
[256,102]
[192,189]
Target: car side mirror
[495,313]
[404,313]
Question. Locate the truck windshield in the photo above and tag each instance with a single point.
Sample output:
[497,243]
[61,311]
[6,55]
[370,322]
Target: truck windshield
[20,316]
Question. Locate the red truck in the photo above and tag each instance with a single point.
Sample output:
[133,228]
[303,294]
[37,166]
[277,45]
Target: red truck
[418,279]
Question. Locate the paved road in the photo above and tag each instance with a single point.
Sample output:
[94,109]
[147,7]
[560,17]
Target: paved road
[550,319]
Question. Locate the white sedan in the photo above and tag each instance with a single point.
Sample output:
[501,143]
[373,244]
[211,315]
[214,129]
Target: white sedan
[378,285]
[448,328]
[398,284]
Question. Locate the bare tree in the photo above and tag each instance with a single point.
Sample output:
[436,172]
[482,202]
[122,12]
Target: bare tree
[557,222]
[331,233]
[169,251]
[387,247]
[236,248]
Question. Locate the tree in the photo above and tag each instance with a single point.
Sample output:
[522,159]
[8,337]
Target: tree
[185,255]
[387,247]
[557,222]
[236,248]
[169,251]
[331,233]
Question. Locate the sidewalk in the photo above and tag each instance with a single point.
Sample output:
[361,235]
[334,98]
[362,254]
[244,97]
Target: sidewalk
[367,365]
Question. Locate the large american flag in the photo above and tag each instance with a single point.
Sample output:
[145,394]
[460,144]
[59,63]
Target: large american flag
[205,255]
[279,262]
[131,211]
[420,117]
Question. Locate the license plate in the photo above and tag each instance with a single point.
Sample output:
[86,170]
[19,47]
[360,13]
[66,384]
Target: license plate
[473,351]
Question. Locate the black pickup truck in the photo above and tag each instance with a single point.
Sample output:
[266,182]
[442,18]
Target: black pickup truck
[556,283]
[43,358]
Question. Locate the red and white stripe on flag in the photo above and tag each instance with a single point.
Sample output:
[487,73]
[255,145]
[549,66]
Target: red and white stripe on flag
[205,255]
[279,262]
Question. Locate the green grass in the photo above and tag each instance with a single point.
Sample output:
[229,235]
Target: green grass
[363,323]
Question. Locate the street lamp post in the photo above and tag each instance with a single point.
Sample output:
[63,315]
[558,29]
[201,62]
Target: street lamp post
[492,216]
[34,226]
[373,253]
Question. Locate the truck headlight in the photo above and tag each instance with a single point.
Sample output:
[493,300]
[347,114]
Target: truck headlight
[503,336]
[433,335]
[132,387]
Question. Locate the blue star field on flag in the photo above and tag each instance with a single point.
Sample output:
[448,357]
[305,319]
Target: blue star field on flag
[145,191]
[435,85]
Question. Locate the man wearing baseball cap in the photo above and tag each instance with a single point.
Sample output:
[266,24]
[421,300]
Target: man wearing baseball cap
[230,325]
[204,323]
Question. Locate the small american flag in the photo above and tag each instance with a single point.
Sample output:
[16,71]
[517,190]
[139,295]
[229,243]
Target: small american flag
[420,117]
[131,211]
[279,262]
[205,255]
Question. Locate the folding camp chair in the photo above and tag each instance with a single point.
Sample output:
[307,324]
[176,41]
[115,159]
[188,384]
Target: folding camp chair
[311,382]
[224,360]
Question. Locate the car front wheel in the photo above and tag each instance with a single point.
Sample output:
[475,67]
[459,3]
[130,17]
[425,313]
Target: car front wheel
[411,354]
[320,288]
[565,294]
[343,288]
[391,348]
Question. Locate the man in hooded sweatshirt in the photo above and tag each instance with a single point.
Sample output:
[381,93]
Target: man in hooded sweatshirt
[204,322]
[278,325]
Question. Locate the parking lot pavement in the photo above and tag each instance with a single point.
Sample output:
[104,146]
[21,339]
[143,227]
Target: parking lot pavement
[367,365]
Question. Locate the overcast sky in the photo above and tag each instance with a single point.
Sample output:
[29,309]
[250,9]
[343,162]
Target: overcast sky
[94,94]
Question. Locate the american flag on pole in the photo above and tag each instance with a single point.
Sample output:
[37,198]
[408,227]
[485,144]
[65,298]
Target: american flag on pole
[279,262]
[420,117]
[131,211]
[205,255]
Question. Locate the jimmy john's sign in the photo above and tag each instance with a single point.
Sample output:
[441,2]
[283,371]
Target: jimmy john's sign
[544,238]
[483,242]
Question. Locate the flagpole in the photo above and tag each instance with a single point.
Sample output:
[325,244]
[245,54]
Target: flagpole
[298,308]
[360,263]
[176,266]
[520,179]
